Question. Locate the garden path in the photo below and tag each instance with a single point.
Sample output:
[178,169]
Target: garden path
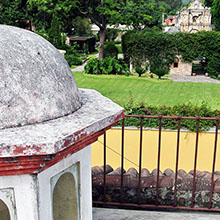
[201,79]
[79,68]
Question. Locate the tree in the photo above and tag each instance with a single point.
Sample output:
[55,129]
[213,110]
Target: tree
[216,14]
[141,14]
[82,26]
[54,33]
[101,13]
[42,11]
[13,12]
[208,3]
[174,4]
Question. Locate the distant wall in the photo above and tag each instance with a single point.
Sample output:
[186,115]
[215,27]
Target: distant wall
[181,68]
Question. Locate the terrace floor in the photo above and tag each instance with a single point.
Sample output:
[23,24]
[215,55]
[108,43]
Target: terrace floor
[120,214]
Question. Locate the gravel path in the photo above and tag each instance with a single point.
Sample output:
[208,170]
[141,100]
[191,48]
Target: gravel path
[201,79]
[119,214]
[79,68]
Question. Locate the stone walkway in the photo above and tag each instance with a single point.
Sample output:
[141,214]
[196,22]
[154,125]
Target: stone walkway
[119,214]
[201,79]
[79,68]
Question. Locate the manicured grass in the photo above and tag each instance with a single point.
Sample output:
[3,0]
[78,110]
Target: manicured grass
[150,91]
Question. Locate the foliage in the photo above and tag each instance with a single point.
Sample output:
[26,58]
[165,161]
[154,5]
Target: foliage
[139,70]
[174,4]
[42,33]
[54,34]
[101,13]
[106,66]
[42,11]
[141,14]
[13,12]
[162,49]
[208,3]
[72,60]
[71,50]
[187,110]
[159,71]
[82,26]
[111,34]
[110,50]
[216,14]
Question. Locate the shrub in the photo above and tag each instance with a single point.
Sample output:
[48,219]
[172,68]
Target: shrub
[106,66]
[72,60]
[42,33]
[92,66]
[140,71]
[110,50]
[54,33]
[160,72]
[188,110]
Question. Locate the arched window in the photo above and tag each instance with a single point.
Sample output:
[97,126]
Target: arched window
[65,205]
[4,212]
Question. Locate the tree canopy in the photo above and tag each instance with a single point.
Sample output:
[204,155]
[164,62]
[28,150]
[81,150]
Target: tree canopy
[13,12]
[42,11]
[142,14]
[216,14]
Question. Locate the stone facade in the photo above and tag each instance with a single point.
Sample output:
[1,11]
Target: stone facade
[195,18]
[181,68]
[192,19]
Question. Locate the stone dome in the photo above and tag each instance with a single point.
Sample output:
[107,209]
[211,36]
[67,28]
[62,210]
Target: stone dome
[36,83]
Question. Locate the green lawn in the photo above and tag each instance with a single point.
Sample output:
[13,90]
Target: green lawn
[150,91]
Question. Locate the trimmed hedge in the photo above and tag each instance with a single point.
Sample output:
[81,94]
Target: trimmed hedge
[161,49]
[107,66]
[178,110]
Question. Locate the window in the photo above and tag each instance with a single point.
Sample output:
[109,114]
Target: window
[65,205]
[175,65]
[4,212]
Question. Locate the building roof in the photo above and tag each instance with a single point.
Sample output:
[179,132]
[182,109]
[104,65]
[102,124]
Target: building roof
[80,38]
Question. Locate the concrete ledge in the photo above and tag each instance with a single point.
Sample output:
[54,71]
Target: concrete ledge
[97,113]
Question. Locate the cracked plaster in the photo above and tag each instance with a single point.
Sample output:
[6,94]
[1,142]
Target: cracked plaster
[97,112]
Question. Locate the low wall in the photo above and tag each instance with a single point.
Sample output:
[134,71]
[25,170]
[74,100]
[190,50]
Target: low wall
[148,187]
[150,150]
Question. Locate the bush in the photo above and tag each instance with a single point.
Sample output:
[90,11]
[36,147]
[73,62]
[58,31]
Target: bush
[140,71]
[73,60]
[92,67]
[106,66]
[42,33]
[110,50]
[188,110]
[160,72]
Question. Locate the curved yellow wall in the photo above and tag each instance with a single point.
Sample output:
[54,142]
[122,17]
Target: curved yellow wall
[150,146]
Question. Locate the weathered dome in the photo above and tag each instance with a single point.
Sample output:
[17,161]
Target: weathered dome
[36,83]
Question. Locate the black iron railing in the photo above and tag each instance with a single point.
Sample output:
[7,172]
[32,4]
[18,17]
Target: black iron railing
[157,203]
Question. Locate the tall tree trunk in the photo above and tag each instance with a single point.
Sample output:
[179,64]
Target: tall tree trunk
[102,42]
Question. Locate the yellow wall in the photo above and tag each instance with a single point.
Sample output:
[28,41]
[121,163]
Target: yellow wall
[150,146]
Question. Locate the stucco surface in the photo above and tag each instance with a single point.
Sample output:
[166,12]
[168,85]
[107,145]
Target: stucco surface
[111,214]
[36,83]
[97,112]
